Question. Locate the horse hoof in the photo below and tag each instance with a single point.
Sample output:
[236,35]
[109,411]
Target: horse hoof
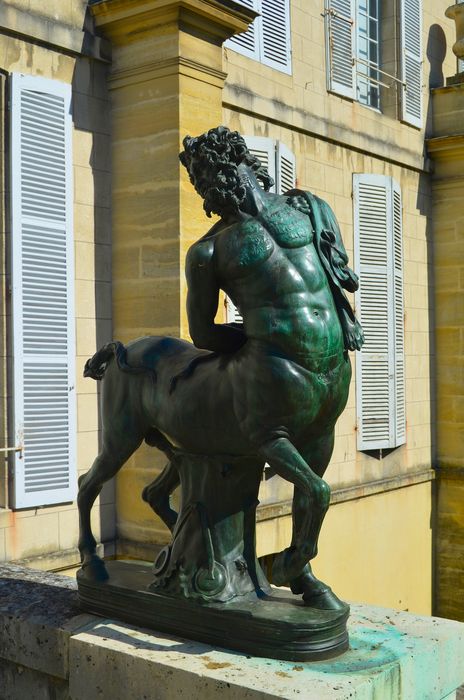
[316,594]
[324,600]
[94,569]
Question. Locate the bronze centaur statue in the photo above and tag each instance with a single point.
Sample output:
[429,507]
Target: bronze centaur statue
[271,390]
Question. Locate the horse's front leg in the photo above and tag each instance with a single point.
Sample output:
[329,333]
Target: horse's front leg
[310,503]
[115,452]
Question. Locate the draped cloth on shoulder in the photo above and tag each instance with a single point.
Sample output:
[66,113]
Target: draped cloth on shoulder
[332,254]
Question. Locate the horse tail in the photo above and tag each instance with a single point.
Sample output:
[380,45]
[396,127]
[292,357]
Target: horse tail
[96,366]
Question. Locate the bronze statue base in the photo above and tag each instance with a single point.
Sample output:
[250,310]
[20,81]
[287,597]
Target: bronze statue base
[277,626]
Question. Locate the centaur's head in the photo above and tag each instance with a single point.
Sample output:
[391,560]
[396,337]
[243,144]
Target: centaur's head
[212,161]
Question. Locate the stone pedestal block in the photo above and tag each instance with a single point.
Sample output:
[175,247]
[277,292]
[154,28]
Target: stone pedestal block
[49,650]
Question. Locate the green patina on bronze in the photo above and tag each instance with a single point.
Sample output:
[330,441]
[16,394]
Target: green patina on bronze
[269,391]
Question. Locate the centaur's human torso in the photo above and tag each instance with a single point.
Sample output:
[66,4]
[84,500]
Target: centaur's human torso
[269,267]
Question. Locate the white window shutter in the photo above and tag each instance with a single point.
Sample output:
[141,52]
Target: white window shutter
[372,306]
[264,149]
[398,300]
[411,61]
[340,46]
[275,34]
[43,300]
[248,42]
[376,400]
[233,315]
[286,168]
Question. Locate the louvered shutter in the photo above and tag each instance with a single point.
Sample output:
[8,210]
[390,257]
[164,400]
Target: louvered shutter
[398,313]
[275,34]
[379,305]
[286,168]
[248,42]
[340,46]
[233,315]
[411,61]
[264,149]
[42,277]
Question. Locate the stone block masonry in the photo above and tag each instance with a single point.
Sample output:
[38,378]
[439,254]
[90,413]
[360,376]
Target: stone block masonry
[50,650]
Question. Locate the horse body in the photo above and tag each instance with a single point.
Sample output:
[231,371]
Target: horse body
[219,408]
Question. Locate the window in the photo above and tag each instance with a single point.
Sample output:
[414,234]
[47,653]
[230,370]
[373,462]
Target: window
[355,65]
[42,287]
[367,53]
[380,391]
[280,164]
[268,38]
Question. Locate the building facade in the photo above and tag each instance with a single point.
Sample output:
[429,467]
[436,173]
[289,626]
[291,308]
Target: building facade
[56,273]
[334,96]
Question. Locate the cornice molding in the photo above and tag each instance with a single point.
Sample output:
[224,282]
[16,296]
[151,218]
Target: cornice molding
[448,147]
[177,65]
[450,473]
[124,21]
[53,35]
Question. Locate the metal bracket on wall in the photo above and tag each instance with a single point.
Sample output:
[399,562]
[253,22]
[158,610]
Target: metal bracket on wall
[19,448]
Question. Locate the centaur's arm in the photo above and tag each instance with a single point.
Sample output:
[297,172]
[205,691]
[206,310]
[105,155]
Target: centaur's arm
[202,302]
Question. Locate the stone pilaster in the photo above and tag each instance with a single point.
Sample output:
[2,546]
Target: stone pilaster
[166,82]
[447,151]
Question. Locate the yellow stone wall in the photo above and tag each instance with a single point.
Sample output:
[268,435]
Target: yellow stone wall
[376,549]
[48,536]
[446,148]
[69,12]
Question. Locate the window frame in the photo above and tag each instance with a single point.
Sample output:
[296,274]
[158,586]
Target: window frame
[341,52]
[371,81]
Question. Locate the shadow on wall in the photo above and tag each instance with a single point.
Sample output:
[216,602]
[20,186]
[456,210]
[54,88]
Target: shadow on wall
[436,53]
[92,182]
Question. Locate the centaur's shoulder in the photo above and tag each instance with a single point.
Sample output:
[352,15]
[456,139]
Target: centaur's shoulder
[202,251]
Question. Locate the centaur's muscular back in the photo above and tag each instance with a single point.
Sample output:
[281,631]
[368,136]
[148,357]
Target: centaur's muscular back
[265,260]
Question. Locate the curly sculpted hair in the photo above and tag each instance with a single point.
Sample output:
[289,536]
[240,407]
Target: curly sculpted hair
[211,161]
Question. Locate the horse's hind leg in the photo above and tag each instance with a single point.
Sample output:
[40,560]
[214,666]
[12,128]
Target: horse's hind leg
[310,504]
[116,450]
[157,494]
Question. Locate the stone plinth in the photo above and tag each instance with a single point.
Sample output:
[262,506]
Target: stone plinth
[49,650]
